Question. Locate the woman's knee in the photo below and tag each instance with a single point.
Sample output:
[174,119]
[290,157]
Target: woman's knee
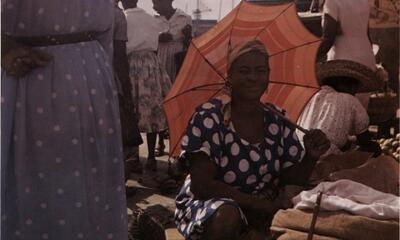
[226,223]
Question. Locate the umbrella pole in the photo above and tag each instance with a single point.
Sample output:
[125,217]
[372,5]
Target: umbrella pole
[305,131]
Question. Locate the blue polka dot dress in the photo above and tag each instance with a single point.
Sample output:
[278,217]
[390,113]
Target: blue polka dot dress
[247,167]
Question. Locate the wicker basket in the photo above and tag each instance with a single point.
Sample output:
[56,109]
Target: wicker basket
[382,107]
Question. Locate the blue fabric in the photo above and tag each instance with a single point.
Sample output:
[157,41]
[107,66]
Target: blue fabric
[240,164]
[62,167]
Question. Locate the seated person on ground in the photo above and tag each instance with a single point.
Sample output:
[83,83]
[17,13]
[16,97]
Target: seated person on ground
[336,111]
[237,153]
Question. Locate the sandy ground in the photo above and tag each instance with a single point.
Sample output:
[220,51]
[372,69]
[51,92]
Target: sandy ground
[148,195]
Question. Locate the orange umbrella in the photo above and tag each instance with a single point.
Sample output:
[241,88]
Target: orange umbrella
[291,47]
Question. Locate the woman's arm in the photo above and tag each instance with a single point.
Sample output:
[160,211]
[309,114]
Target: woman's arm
[364,140]
[204,185]
[316,143]
[121,68]
[331,29]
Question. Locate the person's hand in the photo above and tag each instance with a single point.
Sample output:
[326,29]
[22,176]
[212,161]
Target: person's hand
[187,36]
[316,143]
[165,37]
[21,60]
[187,30]
[371,146]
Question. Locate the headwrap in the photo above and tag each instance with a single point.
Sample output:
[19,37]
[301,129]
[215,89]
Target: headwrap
[242,48]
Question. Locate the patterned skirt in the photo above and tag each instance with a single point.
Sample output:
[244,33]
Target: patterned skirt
[150,84]
[166,54]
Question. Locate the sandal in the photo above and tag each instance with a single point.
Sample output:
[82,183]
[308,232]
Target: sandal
[151,164]
[159,152]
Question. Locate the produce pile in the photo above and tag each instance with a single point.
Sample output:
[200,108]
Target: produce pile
[391,146]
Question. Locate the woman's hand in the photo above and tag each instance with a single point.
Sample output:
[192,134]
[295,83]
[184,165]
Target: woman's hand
[21,60]
[187,31]
[165,37]
[316,143]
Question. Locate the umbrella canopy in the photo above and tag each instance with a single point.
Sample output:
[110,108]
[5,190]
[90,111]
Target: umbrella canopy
[291,47]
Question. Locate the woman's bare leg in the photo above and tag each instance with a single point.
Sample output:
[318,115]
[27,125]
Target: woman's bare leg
[226,223]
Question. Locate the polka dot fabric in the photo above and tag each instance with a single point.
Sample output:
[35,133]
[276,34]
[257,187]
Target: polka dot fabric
[61,149]
[240,164]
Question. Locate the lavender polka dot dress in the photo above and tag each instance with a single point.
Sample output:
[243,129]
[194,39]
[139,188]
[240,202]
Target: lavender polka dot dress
[61,155]
[244,166]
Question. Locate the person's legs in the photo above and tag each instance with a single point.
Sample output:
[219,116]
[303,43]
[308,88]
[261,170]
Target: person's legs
[161,146]
[132,165]
[132,161]
[225,223]
[151,163]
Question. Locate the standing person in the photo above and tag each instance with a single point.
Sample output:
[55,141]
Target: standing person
[346,32]
[346,35]
[131,138]
[175,36]
[176,27]
[147,76]
[62,168]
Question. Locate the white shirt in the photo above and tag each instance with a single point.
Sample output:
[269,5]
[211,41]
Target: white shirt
[143,30]
[353,43]
[175,24]
[338,115]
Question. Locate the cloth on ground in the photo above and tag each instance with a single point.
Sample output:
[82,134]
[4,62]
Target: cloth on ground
[350,196]
[337,162]
[333,225]
[386,181]
[290,234]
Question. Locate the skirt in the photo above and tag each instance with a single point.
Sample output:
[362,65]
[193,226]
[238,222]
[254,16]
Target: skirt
[61,164]
[166,54]
[150,84]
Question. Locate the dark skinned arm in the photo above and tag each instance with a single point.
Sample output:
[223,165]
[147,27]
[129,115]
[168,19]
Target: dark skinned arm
[316,143]
[187,33]
[121,67]
[364,140]
[331,29]
[204,185]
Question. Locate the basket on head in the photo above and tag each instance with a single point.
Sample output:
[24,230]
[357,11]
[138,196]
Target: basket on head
[346,68]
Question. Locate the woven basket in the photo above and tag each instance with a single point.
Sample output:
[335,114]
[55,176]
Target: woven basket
[382,107]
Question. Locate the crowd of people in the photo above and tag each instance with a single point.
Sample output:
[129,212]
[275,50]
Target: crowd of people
[74,73]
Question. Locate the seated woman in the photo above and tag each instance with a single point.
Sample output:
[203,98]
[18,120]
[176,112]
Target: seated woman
[237,152]
[336,111]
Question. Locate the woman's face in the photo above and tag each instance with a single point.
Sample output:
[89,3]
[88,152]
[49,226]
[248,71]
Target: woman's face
[249,76]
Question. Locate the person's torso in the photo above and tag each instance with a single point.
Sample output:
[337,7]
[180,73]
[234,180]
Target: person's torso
[353,42]
[248,167]
[53,17]
[175,24]
[332,112]
[143,30]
